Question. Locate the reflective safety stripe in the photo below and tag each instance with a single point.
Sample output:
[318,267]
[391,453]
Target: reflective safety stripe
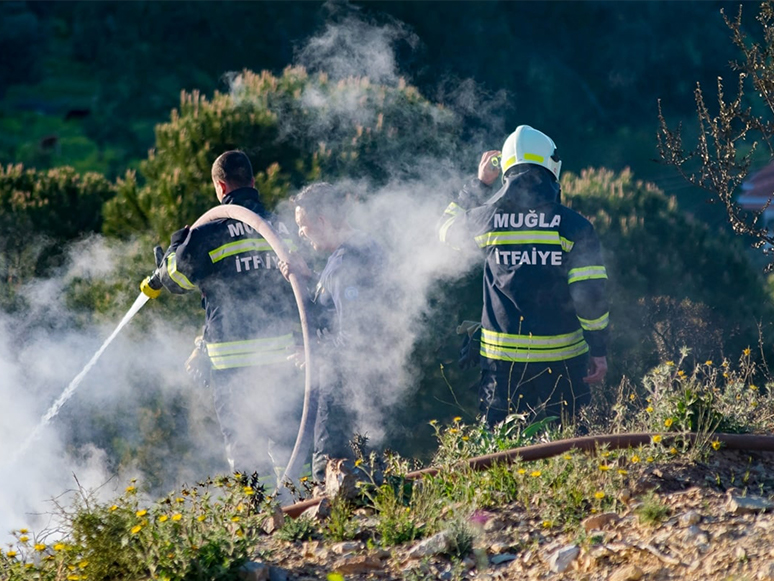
[531,341]
[526,355]
[453,210]
[245,245]
[524,237]
[179,278]
[586,273]
[534,157]
[250,353]
[595,324]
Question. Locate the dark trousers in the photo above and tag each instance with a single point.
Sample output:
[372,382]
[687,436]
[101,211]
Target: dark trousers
[258,409]
[333,429]
[542,389]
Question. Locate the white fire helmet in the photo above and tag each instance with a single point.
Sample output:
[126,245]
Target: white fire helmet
[528,145]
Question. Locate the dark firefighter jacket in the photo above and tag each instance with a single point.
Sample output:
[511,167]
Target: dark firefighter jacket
[544,279]
[346,295]
[250,313]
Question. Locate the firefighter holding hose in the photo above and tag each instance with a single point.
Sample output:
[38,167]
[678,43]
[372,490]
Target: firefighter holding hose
[250,316]
[348,297]
[544,323]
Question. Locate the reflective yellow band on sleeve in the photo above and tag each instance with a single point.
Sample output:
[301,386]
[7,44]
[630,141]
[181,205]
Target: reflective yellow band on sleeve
[245,245]
[595,324]
[180,279]
[586,273]
[534,157]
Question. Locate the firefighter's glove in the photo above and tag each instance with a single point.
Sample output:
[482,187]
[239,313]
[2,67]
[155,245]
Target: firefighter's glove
[470,355]
[198,365]
[179,237]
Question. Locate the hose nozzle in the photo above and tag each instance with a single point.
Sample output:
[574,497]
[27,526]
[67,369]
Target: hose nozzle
[151,286]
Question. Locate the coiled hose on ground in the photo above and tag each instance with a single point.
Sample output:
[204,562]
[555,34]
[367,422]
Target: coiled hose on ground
[750,442]
[305,429]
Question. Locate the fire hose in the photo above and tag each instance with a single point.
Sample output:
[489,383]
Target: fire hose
[749,442]
[305,429]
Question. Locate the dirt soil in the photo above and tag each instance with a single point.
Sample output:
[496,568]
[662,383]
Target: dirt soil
[719,526]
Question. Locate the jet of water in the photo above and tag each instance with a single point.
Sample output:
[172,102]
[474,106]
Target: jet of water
[68,392]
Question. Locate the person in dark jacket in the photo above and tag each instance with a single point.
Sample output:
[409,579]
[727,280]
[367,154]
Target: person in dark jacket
[250,315]
[545,316]
[349,298]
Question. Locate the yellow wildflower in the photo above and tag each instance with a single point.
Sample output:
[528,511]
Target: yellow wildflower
[708,362]
[465,438]
[177,516]
[453,430]
[240,507]
[248,490]
[547,524]
[631,397]
[668,422]
[114,507]
[180,500]
[681,373]
[535,473]
[136,529]
[358,462]
[605,454]
[746,352]
[604,467]
[240,533]
[24,539]
[522,471]
[649,409]
[335,577]
[130,489]
[433,422]
[567,457]
[649,459]
[163,518]
[623,472]
[201,517]
[716,445]
[40,547]
[599,495]
[673,450]
[753,387]
[670,363]
[457,419]
[24,531]
[635,459]
[59,547]
[73,578]
[83,564]
[141,513]
[304,478]
[12,554]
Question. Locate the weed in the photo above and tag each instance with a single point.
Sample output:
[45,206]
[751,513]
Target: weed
[298,529]
[652,511]
[340,526]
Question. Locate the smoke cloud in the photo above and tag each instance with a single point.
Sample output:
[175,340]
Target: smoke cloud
[42,349]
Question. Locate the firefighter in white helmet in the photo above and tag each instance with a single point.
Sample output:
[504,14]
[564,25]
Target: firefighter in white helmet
[545,316]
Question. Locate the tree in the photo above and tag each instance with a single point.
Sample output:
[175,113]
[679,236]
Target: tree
[294,128]
[728,142]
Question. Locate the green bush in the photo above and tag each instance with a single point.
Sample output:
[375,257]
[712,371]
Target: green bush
[294,127]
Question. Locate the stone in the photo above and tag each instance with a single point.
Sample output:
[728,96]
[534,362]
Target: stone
[497,548]
[355,564]
[627,573]
[562,558]
[434,545]
[341,478]
[599,521]
[494,524]
[502,558]
[696,534]
[254,571]
[274,521]
[346,547]
[766,571]
[689,518]
[320,512]
[748,504]
[278,574]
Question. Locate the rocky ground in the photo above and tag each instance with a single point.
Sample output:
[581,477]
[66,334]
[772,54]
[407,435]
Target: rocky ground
[718,525]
